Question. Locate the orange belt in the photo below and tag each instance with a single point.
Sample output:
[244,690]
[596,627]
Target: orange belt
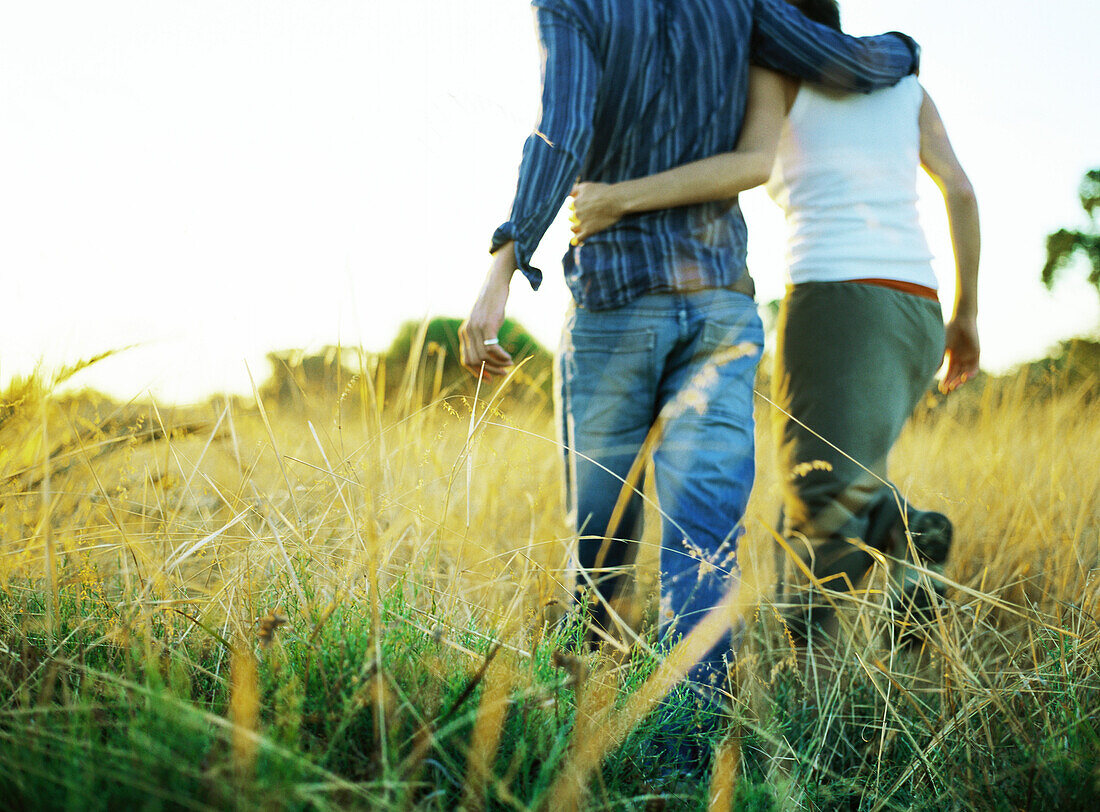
[904,287]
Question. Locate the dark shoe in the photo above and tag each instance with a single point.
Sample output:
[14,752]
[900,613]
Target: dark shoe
[838,565]
[932,534]
[915,594]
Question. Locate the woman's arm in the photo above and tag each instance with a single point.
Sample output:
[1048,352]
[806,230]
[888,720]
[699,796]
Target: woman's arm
[598,206]
[939,160]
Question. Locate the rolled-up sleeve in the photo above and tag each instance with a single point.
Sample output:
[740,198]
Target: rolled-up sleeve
[554,154]
[786,41]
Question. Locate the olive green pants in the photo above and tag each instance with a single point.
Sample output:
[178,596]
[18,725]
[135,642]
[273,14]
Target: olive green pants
[852,361]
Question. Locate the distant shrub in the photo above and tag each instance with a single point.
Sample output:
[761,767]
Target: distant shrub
[1071,369]
[298,377]
[432,348]
[421,364]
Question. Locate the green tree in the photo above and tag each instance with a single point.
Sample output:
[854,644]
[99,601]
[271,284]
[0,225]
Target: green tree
[432,348]
[1065,244]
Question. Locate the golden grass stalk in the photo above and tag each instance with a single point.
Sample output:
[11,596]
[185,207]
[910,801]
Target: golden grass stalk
[1017,474]
[244,708]
[46,526]
[485,738]
[724,774]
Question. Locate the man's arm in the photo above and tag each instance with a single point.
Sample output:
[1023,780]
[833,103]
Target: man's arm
[552,159]
[783,39]
[555,152]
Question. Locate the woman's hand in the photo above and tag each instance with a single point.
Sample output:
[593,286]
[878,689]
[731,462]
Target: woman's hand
[961,353]
[596,206]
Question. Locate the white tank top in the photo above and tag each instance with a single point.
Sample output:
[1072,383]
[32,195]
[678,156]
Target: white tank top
[845,175]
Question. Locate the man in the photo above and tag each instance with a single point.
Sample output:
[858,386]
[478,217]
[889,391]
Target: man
[663,339]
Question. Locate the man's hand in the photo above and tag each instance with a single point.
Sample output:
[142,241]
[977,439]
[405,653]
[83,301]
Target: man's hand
[595,207]
[481,354]
[961,353]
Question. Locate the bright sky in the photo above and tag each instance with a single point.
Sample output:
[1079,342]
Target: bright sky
[213,179]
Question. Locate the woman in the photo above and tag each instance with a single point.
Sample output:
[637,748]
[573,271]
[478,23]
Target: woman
[861,333]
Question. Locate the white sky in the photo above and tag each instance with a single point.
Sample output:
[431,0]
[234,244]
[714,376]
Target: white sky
[213,179]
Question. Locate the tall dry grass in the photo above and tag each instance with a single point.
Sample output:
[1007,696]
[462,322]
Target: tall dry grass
[418,555]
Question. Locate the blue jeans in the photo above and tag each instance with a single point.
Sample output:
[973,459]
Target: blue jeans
[679,365]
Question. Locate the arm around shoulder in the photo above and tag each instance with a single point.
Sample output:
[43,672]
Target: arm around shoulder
[786,40]
[721,177]
[598,206]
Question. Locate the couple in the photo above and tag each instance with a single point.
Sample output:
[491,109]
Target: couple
[653,106]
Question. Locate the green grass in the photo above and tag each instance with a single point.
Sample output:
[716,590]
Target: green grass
[356,712]
[105,718]
[417,557]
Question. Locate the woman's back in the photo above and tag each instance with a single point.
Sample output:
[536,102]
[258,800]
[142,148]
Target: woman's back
[846,177]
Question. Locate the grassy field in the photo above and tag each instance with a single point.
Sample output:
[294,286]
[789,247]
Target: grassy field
[355,603]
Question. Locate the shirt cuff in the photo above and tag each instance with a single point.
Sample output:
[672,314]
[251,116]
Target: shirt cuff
[914,48]
[507,233]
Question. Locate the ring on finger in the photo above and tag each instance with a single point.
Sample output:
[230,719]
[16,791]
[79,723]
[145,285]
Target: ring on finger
[489,342]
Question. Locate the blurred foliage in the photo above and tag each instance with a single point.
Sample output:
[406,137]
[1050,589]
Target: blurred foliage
[1075,364]
[1071,369]
[1064,245]
[433,347]
[298,376]
[420,365]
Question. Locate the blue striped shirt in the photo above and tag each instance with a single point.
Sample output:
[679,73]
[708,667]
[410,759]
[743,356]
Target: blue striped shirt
[634,87]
